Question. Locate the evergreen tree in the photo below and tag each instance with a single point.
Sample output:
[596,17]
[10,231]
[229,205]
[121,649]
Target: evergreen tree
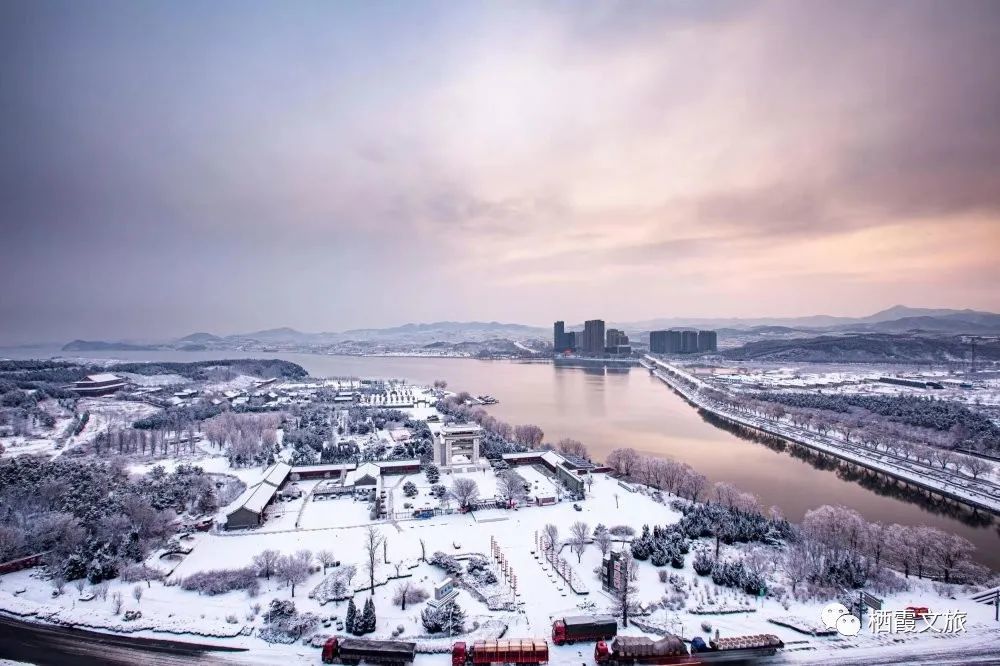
[366,624]
[449,619]
[351,619]
[453,619]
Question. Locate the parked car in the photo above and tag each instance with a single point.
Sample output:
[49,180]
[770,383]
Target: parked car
[577,507]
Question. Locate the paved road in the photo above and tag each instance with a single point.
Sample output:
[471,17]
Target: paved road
[47,645]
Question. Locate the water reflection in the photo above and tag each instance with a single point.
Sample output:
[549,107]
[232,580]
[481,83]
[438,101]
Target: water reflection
[879,483]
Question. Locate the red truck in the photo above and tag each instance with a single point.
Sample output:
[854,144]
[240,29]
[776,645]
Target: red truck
[355,650]
[625,650]
[512,651]
[584,628]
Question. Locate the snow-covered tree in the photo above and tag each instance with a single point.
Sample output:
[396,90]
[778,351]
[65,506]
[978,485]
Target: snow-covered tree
[266,561]
[579,531]
[351,618]
[978,467]
[510,486]
[464,491]
[449,619]
[327,558]
[294,569]
[552,535]
[367,622]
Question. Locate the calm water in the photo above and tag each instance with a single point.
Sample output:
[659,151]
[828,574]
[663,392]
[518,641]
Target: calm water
[625,409]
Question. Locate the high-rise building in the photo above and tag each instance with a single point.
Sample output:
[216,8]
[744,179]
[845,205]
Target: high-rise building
[708,341]
[689,341]
[593,337]
[617,342]
[658,342]
[559,336]
[675,342]
[616,337]
[571,340]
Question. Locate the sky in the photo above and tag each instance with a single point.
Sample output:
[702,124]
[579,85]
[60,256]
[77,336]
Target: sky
[169,167]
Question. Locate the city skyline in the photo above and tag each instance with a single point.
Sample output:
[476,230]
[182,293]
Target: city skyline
[168,169]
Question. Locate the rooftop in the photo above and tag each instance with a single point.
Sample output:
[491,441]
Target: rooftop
[103,377]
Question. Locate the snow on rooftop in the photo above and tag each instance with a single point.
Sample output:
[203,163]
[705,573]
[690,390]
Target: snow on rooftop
[397,463]
[103,377]
[276,474]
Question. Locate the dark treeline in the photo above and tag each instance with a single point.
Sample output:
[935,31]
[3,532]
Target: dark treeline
[965,425]
[41,373]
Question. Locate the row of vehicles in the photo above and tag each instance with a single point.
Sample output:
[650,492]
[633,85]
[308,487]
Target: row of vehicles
[609,650]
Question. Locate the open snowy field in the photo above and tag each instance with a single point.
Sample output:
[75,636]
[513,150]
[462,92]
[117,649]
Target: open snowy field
[542,594]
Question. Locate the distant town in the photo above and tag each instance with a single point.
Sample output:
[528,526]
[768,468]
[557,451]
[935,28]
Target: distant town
[594,342]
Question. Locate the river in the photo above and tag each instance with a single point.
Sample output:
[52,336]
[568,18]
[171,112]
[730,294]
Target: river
[631,408]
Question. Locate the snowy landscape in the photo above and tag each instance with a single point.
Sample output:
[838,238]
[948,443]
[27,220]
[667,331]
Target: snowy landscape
[496,547]
[440,333]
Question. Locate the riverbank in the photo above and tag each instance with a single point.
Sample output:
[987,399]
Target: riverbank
[608,410]
[977,493]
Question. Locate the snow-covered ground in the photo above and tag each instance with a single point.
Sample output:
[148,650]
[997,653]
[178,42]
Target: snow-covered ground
[340,525]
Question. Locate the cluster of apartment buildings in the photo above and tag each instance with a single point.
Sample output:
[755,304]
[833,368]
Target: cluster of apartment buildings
[682,342]
[593,340]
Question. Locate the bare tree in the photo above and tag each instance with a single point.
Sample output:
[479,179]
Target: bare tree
[836,527]
[294,569]
[579,531]
[465,491]
[116,602]
[977,466]
[693,484]
[326,558]
[265,562]
[373,541]
[137,593]
[603,540]
[797,563]
[58,583]
[510,486]
[623,461]
[949,550]
[572,447]
[402,590]
[552,533]
[876,541]
[529,435]
[726,494]
[423,551]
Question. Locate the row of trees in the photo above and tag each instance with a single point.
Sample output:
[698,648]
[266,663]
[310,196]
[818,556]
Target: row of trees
[832,535]
[678,478]
[874,419]
[148,441]
[248,439]
[854,424]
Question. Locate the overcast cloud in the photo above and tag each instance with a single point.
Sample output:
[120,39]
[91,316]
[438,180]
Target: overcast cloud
[171,167]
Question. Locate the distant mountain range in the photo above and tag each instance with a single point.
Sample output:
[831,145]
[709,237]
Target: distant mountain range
[863,348]
[895,320]
[898,318]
